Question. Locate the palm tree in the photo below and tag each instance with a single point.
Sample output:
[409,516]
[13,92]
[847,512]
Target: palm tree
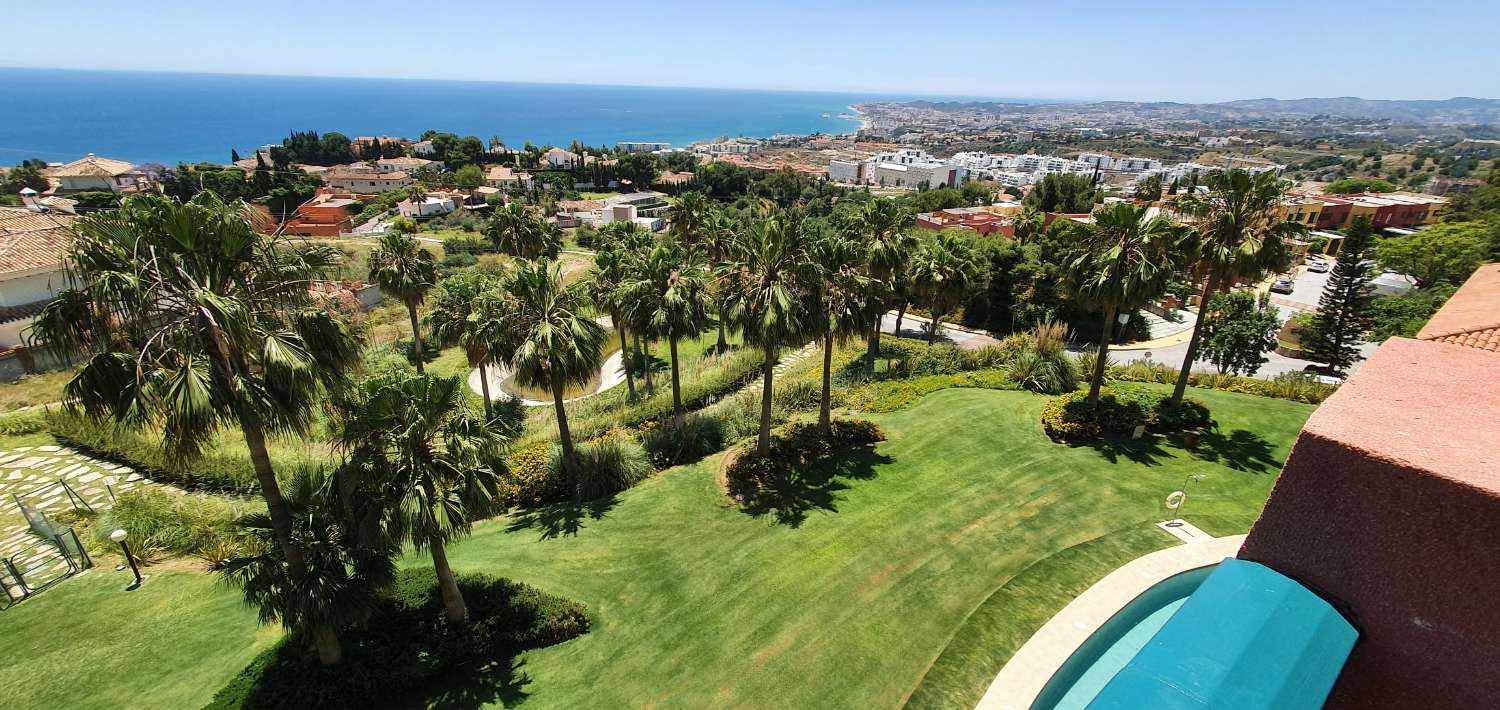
[190,319]
[716,242]
[1239,231]
[947,271]
[670,291]
[768,297]
[604,286]
[883,225]
[1125,259]
[687,215]
[430,463]
[549,342]
[402,268]
[452,321]
[518,233]
[846,296]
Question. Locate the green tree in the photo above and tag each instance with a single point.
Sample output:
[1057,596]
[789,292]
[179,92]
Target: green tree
[1353,185]
[947,271]
[1063,192]
[1344,308]
[216,329]
[550,342]
[769,297]
[433,467]
[1238,329]
[1123,262]
[846,295]
[1148,189]
[1239,231]
[22,177]
[605,286]
[1446,252]
[884,227]
[640,169]
[686,216]
[716,243]
[518,233]
[403,269]
[468,176]
[451,321]
[669,285]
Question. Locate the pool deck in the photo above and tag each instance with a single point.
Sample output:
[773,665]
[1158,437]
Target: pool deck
[1023,677]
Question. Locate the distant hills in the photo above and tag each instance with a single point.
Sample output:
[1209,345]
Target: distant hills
[1458,110]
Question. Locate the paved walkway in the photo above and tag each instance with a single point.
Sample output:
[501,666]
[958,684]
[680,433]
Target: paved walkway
[30,474]
[1027,672]
[916,327]
[611,374]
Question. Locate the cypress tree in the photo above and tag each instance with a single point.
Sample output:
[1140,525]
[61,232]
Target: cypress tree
[1344,309]
[234,155]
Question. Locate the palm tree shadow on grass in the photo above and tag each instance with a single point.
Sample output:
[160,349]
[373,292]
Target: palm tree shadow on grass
[814,487]
[499,683]
[562,518]
[1240,450]
[1145,450]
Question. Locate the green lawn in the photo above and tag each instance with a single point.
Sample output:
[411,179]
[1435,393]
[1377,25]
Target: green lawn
[934,556]
[87,643]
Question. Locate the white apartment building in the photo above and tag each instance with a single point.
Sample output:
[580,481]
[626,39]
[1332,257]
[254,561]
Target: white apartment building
[1098,160]
[849,172]
[1136,165]
[729,147]
[641,146]
[930,174]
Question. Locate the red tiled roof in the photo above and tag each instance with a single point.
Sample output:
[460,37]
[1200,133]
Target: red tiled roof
[1470,318]
[31,240]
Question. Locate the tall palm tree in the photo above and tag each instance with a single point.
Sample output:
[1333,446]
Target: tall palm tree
[431,464]
[846,296]
[516,232]
[605,287]
[670,288]
[769,296]
[947,271]
[550,342]
[1125,259]
[884,225]
[190,319]
[686,215]
[405,270]
[716,243]
[1239,231]
[451,320]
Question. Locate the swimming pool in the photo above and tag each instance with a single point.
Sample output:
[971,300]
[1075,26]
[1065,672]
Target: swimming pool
[1108,649]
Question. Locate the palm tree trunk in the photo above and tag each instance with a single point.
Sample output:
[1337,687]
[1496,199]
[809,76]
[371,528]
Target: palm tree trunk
[1192,348]
[453,599]
[416,335]
[763,444]
[1102,357]
[932,328]
[874,344]
[825,412]
[484,386]
[625,356]
[646,364]
[900,313]
[565,438]
[676,387]
[330,651]
[723,343]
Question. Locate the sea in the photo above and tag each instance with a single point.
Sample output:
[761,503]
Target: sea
[61,115]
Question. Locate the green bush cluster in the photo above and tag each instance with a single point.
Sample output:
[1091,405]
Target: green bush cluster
[161,522]
[1034,361]
[28,421]
[406,644]
[669,445]
[793,447]
[1119,410]
[529,479]
[606,465]
[1294,386]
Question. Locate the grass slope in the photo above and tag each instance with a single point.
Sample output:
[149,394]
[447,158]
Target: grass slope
[699,604]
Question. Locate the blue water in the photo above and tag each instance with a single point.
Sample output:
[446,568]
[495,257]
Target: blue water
[59,115]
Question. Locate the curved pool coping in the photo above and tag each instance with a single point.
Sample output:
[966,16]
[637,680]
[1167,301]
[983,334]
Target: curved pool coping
[1027,672]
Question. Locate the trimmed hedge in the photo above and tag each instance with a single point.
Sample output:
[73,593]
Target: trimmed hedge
[1119,410]
[793,447]
[407,643]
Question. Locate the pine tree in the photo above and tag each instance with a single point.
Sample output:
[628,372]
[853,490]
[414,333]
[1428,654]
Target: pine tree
[1344,309]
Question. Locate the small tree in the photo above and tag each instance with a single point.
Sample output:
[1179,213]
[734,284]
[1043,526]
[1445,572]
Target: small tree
[846,295]
[1345,310]
[1443,252]
[1239,330]
[452,320]
[947,271]
[669,287]
[405,270]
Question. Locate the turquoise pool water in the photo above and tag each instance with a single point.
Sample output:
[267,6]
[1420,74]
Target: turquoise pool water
[1108,649]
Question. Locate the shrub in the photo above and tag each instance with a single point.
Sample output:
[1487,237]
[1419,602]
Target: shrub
[668,445]
[892,395]
[459,260]
[1048,374]
[406,644]
[1294,386]
[530,479]
[1119,410]
[29,421]
[794,447]
[219,470]
[606,465]
[185,524]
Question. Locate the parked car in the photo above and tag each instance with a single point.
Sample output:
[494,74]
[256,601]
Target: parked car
[1318,267]
[1282,285]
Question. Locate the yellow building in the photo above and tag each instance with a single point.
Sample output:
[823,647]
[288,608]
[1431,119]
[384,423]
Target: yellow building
[1302,210]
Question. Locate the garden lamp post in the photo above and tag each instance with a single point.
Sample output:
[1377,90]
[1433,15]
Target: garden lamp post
[119,536]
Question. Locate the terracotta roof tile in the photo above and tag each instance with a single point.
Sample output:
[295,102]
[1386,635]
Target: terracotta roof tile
[31,240]
[1470,318]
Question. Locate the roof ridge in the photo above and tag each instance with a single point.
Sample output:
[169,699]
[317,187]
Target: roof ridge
[1461,331]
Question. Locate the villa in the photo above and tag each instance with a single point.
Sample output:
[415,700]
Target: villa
[92,173]
[366,181]
[32,245]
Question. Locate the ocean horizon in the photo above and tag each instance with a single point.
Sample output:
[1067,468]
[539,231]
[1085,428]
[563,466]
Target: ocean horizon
[165,117]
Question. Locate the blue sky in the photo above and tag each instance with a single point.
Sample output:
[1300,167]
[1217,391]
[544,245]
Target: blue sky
[1208,50]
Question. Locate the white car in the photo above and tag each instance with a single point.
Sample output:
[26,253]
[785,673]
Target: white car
[1318,267]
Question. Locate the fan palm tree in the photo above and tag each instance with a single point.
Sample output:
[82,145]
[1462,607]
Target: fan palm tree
[768,297]
[846,296]
[1123,261]
[715,244]
[686,215]
[605,287]
[402,268]
[669,288]
[883,225]
[1239,231]
[451,320]
[431,464]
[947,271]
[550,343]
[191,320]
[518,233]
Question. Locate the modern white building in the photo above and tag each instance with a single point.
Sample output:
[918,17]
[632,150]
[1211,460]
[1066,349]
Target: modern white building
[920,174]
[849,172]
[735,146]
[423,148]
[433,205]
[641,146]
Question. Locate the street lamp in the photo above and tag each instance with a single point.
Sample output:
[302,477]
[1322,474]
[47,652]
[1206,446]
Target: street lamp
[119,536]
